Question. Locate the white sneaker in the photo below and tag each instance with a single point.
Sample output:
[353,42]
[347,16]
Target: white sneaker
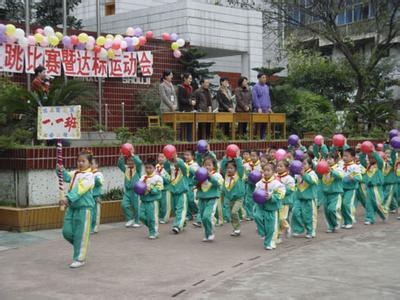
[136,225]
[329,231]
[348,226]
[205,240]
[308,236]
[77,264]
[295,234]
[162,222]
[343,226]
[268,248]
[211,237]
[367,223]
[235,233]
[279,241]
[197,224]
[152,237]
[398,218]
[129,223]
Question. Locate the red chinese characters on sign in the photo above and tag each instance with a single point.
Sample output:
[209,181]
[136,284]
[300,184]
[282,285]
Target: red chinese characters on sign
[14,58]
[70,122]
[33,58]
[52,61]
[69,62]
[146,62]
[130,64]
[2,52]
[84,60]
[115,67]
[99,68]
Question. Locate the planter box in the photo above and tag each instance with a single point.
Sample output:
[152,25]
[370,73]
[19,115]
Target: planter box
[49,217]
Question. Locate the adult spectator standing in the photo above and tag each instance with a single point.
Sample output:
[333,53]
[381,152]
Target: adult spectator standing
[261,99]
[41,83]
[225,100]
[169,101]
[203,104]
[186,101]
[243,100]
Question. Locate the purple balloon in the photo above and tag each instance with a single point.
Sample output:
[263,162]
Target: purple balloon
[293,140]
[130,48]
[202,146]
[80,46]
[395,142]
[260,196]
[255,176]
[66,41]
[174,36]
[393,133]
[296,166]
[2,28]
[128,41]
[298,154]
[3,38]
[138,32]
[140,188]
[201,174]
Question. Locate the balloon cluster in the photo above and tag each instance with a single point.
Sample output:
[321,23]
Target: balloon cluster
[106,46]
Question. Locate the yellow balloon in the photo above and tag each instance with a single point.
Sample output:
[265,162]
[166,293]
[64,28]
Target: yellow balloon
[83,38]
[54,40]
[110,53]
[59,35]
[109,36]
[174,46]
[38,38]
[120,37]
[10,29]
[100,41]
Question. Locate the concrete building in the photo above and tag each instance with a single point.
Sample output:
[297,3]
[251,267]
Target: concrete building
[232,37]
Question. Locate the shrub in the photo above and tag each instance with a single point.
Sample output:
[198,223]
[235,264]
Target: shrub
[155,135]
[113,194]
[123,134]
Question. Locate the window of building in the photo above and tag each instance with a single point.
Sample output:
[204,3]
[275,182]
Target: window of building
[110,8]
[355,11]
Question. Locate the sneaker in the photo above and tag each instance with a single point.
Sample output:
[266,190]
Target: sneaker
[197,224]
[393,211]
[211,238]
[205,240]
[308,236]
[77,264]
[268,248]
[249,219]
[329,231]
[348,226]
[343,226]
[136,225]
[279,241]
[235,233]
[161,221]
[152,237]
[129,223]
[175,230]
[367,223]
[295,234]
[337,227]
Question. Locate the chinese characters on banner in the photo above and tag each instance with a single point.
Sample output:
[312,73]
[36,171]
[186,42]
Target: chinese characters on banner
[77,63]
[59,122]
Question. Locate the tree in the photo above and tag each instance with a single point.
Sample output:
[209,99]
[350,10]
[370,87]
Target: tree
[14,10]
[199,70]
[318,19]
[49,13]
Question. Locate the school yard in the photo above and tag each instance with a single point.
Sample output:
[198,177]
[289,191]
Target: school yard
[362,263]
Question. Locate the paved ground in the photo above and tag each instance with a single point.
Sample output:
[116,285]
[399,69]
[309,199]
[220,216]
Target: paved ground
[362,263]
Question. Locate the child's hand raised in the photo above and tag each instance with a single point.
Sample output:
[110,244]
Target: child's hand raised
[63,202]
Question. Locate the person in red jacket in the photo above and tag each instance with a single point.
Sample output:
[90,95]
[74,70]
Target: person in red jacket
[41,82]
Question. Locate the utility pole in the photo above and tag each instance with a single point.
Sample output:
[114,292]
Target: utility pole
[27,32]
[98,25]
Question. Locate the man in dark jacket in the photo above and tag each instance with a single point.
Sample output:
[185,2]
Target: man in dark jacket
[243,101]
[203,100]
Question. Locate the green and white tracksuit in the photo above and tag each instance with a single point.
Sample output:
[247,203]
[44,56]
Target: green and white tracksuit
[165,202]
[332,187]
[374,181]
[249,205]
[351,180]
[233,190]
[77,218]
[304,215]
[130,199]
[178,188]
[150,202]
[266,215]
[208,192]
[191,194]
[320,152]
[287,202]
[390,181]
[361,192]
[97,192]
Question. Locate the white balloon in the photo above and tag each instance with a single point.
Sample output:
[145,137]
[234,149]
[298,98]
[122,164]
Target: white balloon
[19,33]
[103,54]
[124,45]
[23,42]
[180,42]
[135,41]
[48,30]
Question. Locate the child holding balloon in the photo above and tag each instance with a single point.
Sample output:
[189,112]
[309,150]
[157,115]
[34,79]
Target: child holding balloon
[98,184]
[269,193]
[332,187]
[165,202]
[151,198]
[192,166]
[390,178]
[178,186]
[304,216]
[374,182]
[253,164]
[209,183]
[131,165]
[79,202]
[233,189]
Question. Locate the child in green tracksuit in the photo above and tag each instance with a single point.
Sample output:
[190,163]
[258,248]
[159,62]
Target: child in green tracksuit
[332,187]
[390,179]
[208,192]
[79,202]
[361,192]
[374,182]
[250,165]
[266,215]
[320,152]
[192,166]
[165,202]
[132,169]
[178,188]
[97,191]
[304,214]
[396,203]
[150,200]
[233,189]
[351,181]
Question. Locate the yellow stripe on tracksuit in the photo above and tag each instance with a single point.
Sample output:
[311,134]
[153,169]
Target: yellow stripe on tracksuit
[156,215]
[276,227]
[338,210]
[168,212]
[379,201]
[85,237]
[314,217]
[184,211]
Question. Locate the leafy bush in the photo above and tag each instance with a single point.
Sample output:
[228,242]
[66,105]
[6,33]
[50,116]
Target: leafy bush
[22,136]
[123,134]
[113,194]
[155,135]
[149,100]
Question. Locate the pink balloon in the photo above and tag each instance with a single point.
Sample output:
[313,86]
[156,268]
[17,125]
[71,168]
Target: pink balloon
[166,36]
[280,154]
[45,42]
[108,44]
[149,34]
[142,41]
[31,40]
[116,44]
[177,53]
[39,30]
[318,140]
